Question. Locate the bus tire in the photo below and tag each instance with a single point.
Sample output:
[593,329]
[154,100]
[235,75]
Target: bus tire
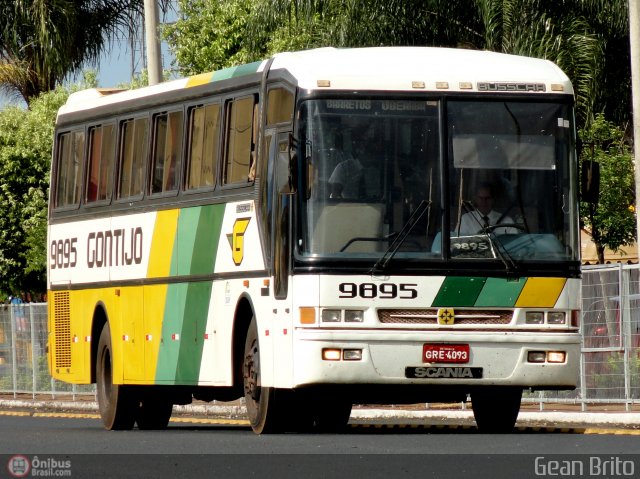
[264,404]
[496,408]
[117,403]
[154,413]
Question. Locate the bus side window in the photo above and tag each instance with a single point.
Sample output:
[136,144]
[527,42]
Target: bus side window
[204,128]
[132,159]
[167,152]
[69,168]
[240,140]
[101,163]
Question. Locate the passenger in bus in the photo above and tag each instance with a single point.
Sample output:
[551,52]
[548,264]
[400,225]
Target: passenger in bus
[356,177]
[483,215]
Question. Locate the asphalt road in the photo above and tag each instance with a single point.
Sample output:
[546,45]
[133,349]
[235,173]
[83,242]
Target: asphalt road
[194,447]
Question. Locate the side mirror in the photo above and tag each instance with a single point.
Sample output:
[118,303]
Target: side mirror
[590,182]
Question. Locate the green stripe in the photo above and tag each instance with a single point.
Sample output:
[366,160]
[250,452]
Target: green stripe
[459,291]
[207,237]
[193,327]
[233,72]
[185,315]
[500,292]
[171,324]
[187,228]
[196,243]
[187,304]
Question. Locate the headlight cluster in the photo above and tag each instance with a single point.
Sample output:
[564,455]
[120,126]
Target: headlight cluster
[548,317]
[342,315]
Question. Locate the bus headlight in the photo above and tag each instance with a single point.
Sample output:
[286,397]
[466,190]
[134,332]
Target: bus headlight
[534,317]
[556,317]
[353,316]
[331,315]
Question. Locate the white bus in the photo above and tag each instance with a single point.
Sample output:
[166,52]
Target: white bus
[320,229]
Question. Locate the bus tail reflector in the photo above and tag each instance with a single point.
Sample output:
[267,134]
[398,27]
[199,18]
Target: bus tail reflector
[307,315]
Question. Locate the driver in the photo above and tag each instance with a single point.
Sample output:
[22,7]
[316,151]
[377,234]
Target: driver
[474,222]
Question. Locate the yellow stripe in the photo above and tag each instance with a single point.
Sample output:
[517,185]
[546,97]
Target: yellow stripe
[201,79]
[164,234]
[201,420]
[540,292]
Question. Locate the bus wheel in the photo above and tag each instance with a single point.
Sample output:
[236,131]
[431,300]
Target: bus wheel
[332,416]
[496,408]
[262,405]
[117,404]
[154,413]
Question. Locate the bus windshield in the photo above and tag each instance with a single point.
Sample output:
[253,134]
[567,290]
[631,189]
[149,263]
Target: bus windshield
[377,176]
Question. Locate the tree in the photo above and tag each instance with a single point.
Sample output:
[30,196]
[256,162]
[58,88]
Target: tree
[588,39]
[213,34]
[26,138]
[42,43]
[611,221]
[209,35]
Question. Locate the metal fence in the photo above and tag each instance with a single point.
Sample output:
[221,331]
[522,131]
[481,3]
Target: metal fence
[23,359]
[609,367]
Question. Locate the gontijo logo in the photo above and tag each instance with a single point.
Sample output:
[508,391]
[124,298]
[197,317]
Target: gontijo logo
[236,239]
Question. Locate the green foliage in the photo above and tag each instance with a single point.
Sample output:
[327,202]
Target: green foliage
[209,36]
[588,39]
[612,221]
[26,138]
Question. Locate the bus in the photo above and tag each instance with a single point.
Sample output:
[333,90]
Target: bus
[295,233]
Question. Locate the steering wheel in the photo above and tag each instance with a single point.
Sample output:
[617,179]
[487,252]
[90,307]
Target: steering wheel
[503,225]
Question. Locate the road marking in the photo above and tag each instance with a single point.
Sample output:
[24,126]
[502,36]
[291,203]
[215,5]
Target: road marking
[625,432]
[15,413]
[200,420]
[74,415]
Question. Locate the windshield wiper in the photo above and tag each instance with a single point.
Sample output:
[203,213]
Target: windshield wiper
[383,261]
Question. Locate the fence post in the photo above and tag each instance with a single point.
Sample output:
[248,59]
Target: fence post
[14,356]
[625,331]
[34,363]
[583,375]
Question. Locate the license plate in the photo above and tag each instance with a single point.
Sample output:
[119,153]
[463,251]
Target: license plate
[445,353]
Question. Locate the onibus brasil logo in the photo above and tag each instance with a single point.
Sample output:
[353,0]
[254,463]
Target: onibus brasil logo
[21,466]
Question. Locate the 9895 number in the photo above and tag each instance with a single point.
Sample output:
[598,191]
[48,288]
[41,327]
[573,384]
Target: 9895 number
[382,290]
[64,253]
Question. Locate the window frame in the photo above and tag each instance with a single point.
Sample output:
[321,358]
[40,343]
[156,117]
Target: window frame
[56,170]
[153,150]
[216,150]
[118,197]
[228,104]
[88,157]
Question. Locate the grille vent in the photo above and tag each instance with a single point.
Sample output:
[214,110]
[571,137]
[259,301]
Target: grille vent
[62,322]
[430,316]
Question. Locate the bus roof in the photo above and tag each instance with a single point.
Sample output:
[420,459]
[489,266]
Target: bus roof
[415,68]
[378,68]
